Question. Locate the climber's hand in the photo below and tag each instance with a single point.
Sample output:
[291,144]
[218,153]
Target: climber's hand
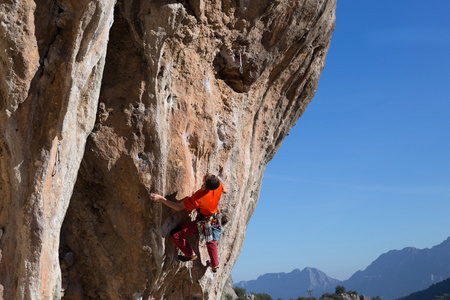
[156,197]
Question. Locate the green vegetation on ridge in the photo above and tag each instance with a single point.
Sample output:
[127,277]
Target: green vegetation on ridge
[337,295]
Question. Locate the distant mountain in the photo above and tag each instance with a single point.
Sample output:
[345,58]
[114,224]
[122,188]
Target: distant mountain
[401,272]
[437,289]
[291,285]
[392,275]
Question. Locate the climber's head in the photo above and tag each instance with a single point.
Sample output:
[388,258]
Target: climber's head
[211,182]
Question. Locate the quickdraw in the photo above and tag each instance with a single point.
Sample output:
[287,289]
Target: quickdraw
[57,164]
[241,68]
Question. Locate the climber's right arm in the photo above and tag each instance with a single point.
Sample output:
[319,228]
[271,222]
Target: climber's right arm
[178,206]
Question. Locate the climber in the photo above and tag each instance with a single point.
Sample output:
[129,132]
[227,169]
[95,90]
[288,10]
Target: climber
[205,201]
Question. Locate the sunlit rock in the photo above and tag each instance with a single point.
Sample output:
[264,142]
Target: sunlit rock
[102,102]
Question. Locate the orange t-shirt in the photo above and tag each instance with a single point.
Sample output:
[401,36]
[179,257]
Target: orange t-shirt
[206,200]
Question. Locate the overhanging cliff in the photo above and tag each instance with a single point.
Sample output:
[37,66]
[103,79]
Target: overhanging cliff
[103,101]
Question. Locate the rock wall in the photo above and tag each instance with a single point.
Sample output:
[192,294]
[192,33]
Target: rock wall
[51,65]
[103,101]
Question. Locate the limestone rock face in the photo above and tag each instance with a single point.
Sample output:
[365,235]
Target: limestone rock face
[51,66]
[105,101]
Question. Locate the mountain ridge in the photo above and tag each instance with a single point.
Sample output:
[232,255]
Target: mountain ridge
[399,272]
[393,274]
[290,283]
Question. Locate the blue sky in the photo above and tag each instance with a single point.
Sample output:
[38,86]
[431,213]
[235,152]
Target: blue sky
[367,167]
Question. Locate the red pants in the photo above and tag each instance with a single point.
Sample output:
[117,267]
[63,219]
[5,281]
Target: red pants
[179,235]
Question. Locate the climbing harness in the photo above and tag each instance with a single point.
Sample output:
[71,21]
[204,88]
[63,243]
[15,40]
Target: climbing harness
[209,228]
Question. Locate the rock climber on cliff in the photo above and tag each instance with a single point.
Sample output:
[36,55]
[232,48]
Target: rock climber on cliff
[205,201]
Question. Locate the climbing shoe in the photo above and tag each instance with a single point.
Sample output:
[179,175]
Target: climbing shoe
[214,269]
[187,258]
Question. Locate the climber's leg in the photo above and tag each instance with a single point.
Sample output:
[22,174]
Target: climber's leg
[179,235]
[212,251]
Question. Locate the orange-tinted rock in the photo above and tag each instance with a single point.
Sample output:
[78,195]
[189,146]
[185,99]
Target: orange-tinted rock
[179,89]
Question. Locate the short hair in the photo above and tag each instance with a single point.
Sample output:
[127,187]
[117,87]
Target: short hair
[212,182]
